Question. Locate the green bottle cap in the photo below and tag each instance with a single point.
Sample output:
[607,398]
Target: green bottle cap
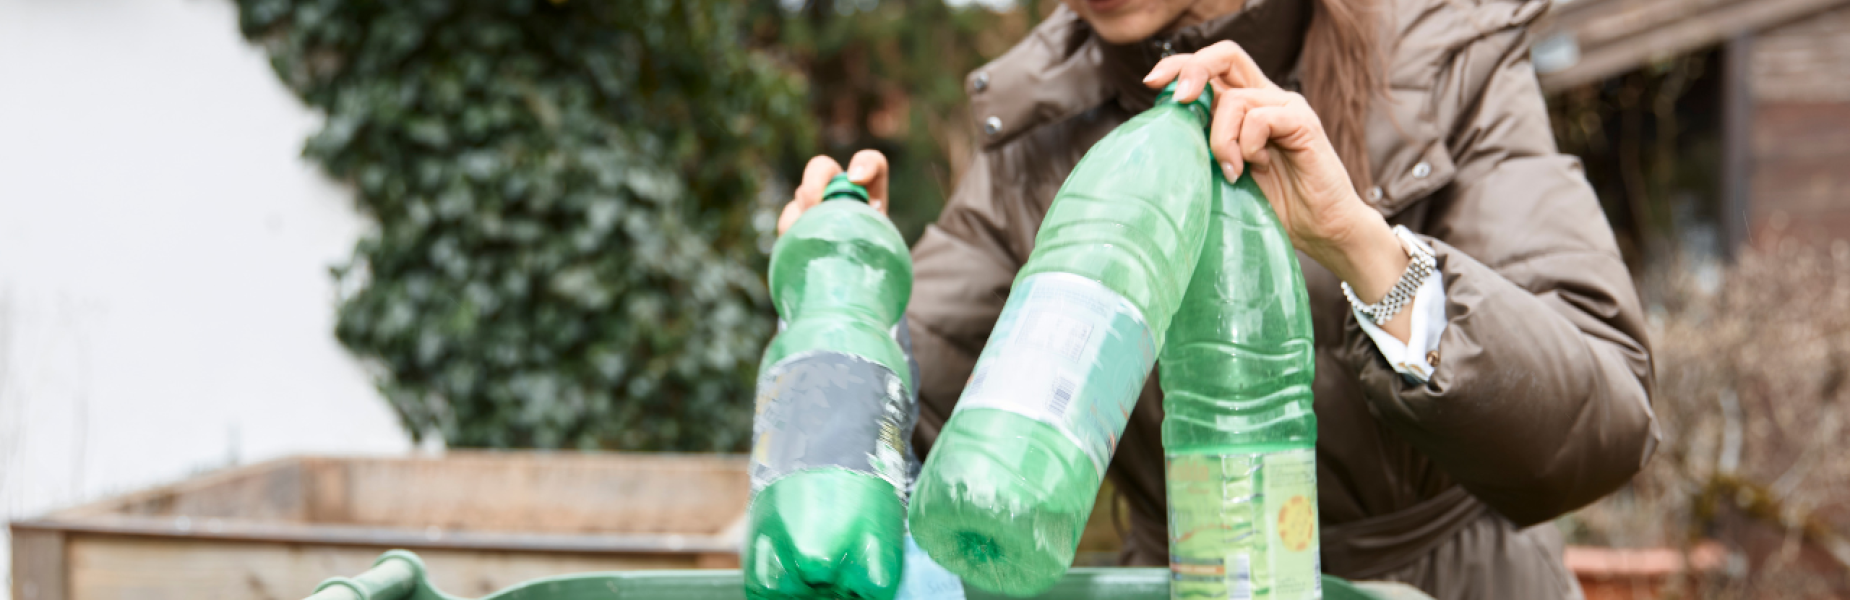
[842,189]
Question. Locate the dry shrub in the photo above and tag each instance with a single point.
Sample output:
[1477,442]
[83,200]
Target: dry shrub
[1753,394]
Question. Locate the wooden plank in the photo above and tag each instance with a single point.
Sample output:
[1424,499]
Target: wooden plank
[275,494]
[564,493]
[1807,60]
[1619,48]
[1801,130]
[1600,22]
[38,565]
[215,529]
[329,500]
[545,502]
[204,493]
[119,568]
[514,516]
[717,560]
[1802,188]
[1818,230]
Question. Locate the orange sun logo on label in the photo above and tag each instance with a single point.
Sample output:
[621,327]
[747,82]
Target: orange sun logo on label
[1297,524]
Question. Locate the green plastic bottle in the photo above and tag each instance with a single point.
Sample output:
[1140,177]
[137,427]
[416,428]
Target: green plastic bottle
[834,410]
[1010,482]
[1238,428]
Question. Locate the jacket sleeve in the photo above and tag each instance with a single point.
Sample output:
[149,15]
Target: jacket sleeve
[962,268]
[1540,400]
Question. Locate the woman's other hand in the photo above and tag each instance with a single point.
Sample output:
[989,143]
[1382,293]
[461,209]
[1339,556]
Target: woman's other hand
[1260,126]
[867,169]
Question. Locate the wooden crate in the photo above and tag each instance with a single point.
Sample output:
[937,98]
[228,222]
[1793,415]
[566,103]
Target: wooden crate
[482,520]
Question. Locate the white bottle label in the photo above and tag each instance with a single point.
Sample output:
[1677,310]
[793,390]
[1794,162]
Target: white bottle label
[1069,352]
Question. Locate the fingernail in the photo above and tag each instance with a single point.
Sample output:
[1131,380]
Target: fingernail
[1149,78]
[1181,84]
[1226,170]
[857,173]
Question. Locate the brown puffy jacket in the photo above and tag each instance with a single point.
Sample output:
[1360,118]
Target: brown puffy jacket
[1540,402]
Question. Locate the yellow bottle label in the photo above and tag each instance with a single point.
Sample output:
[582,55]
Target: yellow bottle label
[1244,526]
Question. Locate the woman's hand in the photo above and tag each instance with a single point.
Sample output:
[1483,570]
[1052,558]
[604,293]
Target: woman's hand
[1274,132]
[867,169]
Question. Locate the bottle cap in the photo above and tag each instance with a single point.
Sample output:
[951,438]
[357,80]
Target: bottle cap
[842,189]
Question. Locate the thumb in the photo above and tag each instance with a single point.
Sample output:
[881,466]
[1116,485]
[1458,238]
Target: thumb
[868,169]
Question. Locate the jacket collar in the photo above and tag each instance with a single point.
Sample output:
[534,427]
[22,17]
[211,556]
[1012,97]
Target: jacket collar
[1062,68]
[1271,31]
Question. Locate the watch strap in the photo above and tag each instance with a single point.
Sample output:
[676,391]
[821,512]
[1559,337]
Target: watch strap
[1421,265]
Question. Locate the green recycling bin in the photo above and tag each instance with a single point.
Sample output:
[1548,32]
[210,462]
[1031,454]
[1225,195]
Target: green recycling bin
[399,575]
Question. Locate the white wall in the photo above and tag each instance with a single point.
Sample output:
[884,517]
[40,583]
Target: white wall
[165,306]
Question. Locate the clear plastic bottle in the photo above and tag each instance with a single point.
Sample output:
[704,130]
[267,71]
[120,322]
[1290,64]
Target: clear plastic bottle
[1011,479]
[834,410]
[1239,430]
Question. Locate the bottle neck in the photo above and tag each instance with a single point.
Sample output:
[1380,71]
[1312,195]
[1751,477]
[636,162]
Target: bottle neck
[1201,107]
[840,188]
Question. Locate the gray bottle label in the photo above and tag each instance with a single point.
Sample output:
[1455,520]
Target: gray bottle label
[823,409]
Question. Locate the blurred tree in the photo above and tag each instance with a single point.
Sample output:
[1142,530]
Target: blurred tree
[889,75]
[569,209]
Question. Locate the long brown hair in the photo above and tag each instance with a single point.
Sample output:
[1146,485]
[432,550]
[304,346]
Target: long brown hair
[1342,70]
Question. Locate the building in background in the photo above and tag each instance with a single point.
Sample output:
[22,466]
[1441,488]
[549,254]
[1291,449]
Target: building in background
[1780,98]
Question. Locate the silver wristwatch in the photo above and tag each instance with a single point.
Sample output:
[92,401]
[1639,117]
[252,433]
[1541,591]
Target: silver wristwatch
[1398,297]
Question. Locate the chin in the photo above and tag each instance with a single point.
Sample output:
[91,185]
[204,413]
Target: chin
[1122,35]
[1124,21]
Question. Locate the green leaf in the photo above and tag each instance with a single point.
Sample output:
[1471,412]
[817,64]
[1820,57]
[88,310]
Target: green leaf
[562,252]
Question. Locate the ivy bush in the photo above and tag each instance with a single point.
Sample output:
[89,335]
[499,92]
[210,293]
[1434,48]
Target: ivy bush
[568,207]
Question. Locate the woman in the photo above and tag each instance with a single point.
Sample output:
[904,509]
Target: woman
[1511,387]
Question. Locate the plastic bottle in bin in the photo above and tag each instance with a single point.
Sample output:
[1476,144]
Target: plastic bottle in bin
[1010,481]
[1238,429]
[834,411]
